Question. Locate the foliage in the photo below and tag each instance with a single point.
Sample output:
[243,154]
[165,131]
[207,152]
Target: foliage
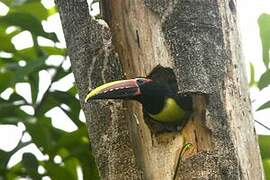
[264,81]
[264,142]
[72,147]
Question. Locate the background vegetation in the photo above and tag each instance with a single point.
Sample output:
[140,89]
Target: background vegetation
[25,65]
[264,81]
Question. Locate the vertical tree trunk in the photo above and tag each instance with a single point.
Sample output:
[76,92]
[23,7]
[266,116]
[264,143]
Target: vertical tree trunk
[199,41]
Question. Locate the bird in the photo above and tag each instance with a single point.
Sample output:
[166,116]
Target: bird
[158,97]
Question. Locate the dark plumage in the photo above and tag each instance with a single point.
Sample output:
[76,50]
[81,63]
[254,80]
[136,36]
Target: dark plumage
[158,96]
[158,100]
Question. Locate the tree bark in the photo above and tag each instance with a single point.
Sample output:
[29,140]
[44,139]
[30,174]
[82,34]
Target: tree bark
[199,41]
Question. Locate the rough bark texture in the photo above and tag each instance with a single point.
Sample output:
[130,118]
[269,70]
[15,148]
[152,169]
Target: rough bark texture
[199,41]
[95,62]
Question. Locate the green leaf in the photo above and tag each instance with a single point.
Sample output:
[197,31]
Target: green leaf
[58,172]
[47,103]
[27,22]
[264,25]
[266,167]
[35,8]
[12,66]
[89,167]
[10,113]
[27,56]
[53,50]
[74,117]
[73,139]
[32,66]
[71,165]
[77,144]
[80,148]
[31,54]
[43,134]
[30,162]
[13,3]
[52,11]
[74,146]
[264,80]
[264,143]
[4,158]
[72,102]
[15,171]
[15,97]
[7,2]
[60,73]
[5,44]
[5,61]
[5,79]
[73,90]
[264,106]
[68,99]
[252,75]
[34,82]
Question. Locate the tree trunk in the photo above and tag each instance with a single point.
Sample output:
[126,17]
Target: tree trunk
[199,41]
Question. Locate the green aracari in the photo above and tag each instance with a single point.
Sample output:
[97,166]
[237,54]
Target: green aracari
[160,102]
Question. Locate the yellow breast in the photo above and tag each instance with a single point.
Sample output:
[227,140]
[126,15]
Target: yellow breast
[171,112]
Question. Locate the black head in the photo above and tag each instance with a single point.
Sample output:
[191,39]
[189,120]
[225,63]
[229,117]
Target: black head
[153,95]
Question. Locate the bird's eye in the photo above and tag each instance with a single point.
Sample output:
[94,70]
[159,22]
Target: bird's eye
[140,81]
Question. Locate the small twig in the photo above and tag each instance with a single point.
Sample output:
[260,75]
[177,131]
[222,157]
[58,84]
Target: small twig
[182,152]
[266,127]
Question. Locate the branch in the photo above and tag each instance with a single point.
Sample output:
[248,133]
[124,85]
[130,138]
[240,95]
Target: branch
[266,127]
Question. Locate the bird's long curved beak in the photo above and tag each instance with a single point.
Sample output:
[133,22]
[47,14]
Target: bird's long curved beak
[122,89]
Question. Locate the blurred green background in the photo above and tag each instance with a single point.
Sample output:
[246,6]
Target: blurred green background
[66,155]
